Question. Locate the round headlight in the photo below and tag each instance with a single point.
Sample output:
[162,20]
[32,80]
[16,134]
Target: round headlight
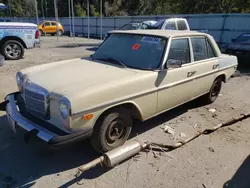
[19,80]
[64,108]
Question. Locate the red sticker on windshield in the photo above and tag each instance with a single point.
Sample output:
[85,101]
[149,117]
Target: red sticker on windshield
[136,47]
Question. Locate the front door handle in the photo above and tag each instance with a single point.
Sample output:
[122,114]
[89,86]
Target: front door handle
[191,73]
[215,66]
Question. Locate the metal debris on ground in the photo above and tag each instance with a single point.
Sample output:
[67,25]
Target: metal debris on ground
[211,149]
[156,155]
[183,135]
[132,148]
[168,130]
[213,110]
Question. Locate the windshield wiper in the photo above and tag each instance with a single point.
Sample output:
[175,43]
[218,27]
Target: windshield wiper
[112,60]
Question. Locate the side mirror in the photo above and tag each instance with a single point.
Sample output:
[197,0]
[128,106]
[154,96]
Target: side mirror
[233,40]
[174,63]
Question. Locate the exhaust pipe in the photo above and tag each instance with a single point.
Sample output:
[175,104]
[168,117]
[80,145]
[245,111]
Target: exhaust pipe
[116,156]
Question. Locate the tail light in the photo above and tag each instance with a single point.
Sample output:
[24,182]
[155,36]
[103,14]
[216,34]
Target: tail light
[37,34]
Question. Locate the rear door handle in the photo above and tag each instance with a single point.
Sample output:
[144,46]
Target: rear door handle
[191,73]
[215,66]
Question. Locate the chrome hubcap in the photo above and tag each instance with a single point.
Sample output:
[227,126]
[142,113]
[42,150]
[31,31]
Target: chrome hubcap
[13,50]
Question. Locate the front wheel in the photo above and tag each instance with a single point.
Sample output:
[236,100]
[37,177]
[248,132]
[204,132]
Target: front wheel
[12,50]
[214,91]
[111,130]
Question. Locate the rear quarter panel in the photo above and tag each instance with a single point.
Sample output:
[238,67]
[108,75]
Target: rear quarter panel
[25,33]
[227,65]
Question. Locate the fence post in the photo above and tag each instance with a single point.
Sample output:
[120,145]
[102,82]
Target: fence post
[114,22]
[82,27]
[223,27]
[96,27]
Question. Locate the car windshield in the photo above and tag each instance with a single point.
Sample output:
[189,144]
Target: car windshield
[133,51]
[158,24]
[243,38]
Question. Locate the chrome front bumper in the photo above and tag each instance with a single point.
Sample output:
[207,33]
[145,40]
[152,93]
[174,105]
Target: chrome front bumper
[16,119]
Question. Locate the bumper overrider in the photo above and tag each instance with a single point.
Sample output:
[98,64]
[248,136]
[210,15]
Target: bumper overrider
[34,126]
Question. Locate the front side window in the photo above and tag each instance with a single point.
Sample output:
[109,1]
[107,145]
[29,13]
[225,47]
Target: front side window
[53,23]
[179,50]
[133,50]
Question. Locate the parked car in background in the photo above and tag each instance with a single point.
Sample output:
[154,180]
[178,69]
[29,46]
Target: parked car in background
[137,75]
[165,24]
[16,37]
[239,47]
[49,27]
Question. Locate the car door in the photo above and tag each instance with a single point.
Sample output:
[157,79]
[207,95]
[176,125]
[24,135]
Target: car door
[53,27]
[175,82]
[46,27]
[204,64]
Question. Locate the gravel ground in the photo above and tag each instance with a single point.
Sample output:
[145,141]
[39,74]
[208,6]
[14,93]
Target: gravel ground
[217,160]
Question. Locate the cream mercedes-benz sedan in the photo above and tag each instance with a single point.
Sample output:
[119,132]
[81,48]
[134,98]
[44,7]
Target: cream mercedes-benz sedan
[133,75]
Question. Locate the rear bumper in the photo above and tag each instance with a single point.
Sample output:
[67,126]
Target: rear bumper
[15,119]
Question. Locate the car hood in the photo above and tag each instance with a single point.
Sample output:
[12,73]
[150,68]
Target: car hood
[70,77]
[238,46]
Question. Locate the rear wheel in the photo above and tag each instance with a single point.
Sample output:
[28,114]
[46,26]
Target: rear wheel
[12,50]
[214,91]
[112,130]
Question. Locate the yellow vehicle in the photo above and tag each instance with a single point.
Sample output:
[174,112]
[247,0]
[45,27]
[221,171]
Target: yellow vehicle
[49,27]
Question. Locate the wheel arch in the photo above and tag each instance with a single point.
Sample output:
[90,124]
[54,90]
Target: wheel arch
[222,76]
[129,105]
[13,38]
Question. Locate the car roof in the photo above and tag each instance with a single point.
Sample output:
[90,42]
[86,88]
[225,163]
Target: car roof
[161,33]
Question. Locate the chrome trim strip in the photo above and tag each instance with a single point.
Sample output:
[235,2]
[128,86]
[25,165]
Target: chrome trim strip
[148,91]
[12,111]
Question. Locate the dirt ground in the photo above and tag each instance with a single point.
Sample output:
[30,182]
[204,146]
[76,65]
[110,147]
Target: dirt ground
[221,159]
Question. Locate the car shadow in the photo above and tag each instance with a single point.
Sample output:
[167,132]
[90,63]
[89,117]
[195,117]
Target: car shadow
[241,177]
[26,163]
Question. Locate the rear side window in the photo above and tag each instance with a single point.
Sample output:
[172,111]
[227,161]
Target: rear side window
[53,23]
[181,25]
[170,25]
[210,50]
[202,49]
[199,48]
[179,50]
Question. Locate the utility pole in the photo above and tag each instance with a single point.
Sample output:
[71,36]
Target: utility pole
[46,9]
[70,31]
[37,19]
[56,16]
[42,9]
[73,18]
[101,17]
[88,18]
[9,5]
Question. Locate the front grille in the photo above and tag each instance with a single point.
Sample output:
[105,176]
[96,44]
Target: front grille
[36,100]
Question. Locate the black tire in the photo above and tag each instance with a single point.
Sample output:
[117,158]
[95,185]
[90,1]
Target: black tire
[60,33]
[213,92]
[12,50]
[111,130]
